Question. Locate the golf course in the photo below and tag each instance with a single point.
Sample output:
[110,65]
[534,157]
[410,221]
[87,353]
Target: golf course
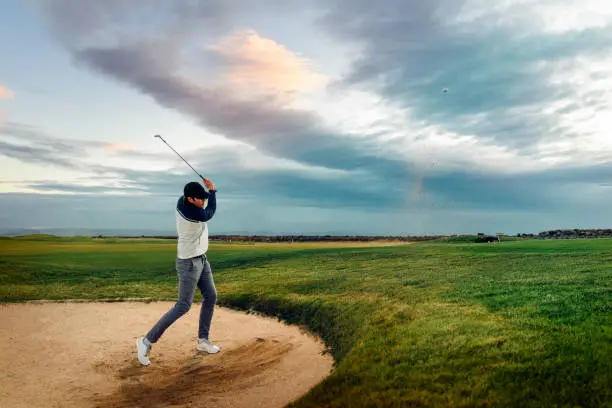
[441,323]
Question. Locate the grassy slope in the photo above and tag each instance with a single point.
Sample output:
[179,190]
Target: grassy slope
[524,323]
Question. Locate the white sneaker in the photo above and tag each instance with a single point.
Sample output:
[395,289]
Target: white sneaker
[207,346]
[143,351]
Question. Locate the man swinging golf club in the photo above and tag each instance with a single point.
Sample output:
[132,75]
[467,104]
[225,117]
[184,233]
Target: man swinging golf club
[192,267]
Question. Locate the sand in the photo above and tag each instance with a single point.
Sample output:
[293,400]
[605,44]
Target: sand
[84,355]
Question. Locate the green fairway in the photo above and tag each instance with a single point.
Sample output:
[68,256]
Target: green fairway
[524,323]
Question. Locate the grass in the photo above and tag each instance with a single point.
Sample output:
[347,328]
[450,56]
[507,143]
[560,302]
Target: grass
[525,323]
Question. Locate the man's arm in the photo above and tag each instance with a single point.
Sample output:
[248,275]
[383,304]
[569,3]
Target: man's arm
[194,214]
[211,207]
[206,213]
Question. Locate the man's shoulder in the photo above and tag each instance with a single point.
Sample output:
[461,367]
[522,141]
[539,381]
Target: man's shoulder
[188,212]
[184,212]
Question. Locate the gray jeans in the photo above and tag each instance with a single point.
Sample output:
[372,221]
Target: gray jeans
[191,272]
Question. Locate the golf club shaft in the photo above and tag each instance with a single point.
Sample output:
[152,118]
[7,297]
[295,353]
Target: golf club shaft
[202,177]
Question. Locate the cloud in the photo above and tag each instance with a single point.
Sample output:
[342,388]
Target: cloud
[80,188]
[342,199]
[6,93]
[536,16]
[241,171]
[30,145]
[35,154]
[33,135]
[77,23]
[119,146]
[289,133]
[260,65]
[243,174]
[502,80]
[75,153]
[157,65]
[522,128]
[82,23]
[503,70]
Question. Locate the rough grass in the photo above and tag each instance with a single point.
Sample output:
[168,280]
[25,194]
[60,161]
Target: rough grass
[524,323]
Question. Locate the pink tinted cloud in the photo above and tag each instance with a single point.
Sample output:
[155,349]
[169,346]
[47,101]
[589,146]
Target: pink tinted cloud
[6,93]
[256,64]
[118,146]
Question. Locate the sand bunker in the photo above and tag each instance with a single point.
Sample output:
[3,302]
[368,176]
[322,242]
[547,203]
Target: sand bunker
[84,355]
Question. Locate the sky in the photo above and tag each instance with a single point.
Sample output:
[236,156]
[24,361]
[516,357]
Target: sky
[400,117]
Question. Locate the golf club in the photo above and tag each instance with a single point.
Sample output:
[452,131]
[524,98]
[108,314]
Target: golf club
[202,177]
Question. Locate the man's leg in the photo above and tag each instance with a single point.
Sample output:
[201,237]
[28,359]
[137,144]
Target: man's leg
[188,271]
[206,285]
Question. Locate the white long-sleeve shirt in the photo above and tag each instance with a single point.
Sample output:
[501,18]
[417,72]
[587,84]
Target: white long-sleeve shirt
[192,226]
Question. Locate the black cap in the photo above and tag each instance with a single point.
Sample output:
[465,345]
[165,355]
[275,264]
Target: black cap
[195,190]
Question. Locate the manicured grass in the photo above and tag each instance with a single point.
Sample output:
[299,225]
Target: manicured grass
[524,323]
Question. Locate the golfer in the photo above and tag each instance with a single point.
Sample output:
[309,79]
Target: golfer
[192,267]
